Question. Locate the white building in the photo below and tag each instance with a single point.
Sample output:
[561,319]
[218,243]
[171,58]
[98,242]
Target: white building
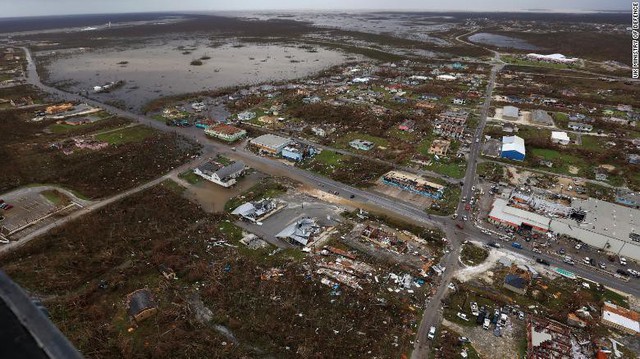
[270,144]
[225,176]
[560,137]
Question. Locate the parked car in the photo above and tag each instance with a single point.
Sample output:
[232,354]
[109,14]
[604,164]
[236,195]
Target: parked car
[521,315]
[623,261]
[622,272]
[8,207]
[602,265]
[432,333]
[480,319]
[494,244]
[542,261]
[562,251]
[516,245]
[486,324]
[464,340]
[462,316]
[579,245]
[474,309]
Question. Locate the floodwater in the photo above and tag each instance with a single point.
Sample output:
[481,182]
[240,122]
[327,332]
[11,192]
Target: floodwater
[162,68]
[501,41]
[212,197]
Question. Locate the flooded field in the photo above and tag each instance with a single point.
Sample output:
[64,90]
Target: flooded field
[164,68]
[212,197]
[501,41]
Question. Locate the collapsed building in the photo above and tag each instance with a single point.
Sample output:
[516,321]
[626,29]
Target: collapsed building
[413,183]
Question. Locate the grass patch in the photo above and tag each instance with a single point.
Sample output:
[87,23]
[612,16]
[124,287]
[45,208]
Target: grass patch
[190,177]
[266,188]
[451,168]
[173,186]
[473,255]
[56,197]
[448,204]
[491,171]
[126,135]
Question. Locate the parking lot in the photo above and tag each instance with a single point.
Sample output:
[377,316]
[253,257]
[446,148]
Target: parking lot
[30,206]
[298,205]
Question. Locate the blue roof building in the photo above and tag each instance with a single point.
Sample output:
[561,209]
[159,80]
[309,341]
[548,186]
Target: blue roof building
[513,148]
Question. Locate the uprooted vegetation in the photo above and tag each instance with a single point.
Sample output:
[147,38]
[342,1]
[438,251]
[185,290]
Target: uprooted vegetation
[119,249]
[28,157]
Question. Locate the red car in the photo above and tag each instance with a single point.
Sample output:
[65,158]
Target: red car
[8,207]
[467,207]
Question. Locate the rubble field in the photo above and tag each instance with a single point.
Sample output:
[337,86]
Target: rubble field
[228,300]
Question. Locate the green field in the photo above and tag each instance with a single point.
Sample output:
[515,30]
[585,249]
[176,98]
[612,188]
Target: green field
[453,169]
[126,135]
[190,177]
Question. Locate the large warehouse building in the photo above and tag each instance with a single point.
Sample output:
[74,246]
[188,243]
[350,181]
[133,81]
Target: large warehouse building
[599,224]
[513,148]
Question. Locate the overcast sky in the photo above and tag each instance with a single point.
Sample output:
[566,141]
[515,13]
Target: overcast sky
[55,7]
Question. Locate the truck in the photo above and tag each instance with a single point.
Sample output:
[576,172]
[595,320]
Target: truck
[516,245]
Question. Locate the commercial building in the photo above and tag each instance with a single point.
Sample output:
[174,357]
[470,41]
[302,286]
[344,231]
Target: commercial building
[225,132]
[599,224]
[513,148]
[560,137]
[510,113]
[602,225]
[361,145]
[225,176]
[621,318]
[413,183]
[504,215]
[270,144]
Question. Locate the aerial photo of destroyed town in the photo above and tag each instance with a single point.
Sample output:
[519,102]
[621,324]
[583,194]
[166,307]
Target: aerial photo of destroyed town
[254,179]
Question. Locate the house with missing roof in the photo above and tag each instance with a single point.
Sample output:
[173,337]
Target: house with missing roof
[225,176]
[140,305]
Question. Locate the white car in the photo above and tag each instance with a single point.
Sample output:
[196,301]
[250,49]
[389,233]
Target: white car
[579,245]
[623,261]
[452,286]
[432,333]
[486,324]
[462,316]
